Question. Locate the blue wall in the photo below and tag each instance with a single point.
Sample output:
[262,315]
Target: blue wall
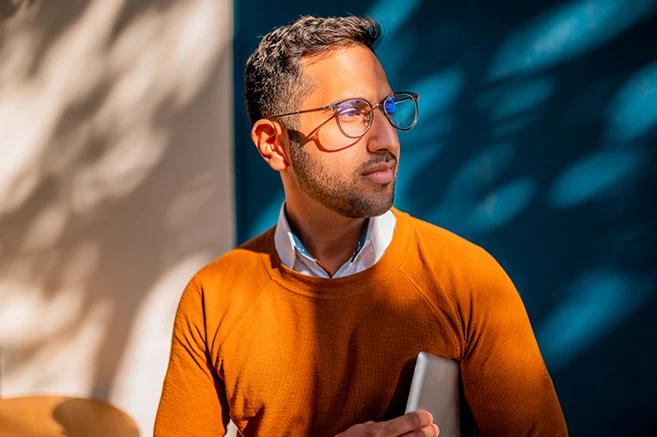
[537,141]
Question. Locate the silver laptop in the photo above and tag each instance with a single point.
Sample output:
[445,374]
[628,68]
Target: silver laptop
[436,388]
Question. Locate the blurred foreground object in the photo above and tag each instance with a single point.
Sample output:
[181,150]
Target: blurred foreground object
[46,416]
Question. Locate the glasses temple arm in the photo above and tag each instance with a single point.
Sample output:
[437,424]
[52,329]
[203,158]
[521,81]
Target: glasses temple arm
[324,108]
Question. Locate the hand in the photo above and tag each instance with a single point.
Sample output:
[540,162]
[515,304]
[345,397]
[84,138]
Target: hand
[419,423]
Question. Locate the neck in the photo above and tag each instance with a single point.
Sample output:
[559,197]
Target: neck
[330,237]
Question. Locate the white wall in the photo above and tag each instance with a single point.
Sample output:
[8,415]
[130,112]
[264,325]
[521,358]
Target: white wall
[116,185]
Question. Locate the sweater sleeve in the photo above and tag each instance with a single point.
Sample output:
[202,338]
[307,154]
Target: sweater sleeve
[505,380]
[193,401]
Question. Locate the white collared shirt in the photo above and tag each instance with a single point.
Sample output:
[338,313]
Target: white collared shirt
[373,244]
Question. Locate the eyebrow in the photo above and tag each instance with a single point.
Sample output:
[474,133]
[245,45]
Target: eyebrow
[350,98]
[334,102]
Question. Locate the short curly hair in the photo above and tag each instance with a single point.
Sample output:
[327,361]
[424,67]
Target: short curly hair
[273,80]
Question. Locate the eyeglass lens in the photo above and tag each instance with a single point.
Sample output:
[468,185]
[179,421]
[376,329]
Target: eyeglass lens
[401,110]
[355,116]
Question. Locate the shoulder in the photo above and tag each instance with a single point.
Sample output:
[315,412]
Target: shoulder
[218,295]
[445,247]
[237,276]
[443,260]
[244,260]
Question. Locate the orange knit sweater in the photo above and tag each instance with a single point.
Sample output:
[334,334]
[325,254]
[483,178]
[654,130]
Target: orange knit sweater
[281,353]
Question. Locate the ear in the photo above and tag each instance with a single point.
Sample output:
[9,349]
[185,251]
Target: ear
[269,138]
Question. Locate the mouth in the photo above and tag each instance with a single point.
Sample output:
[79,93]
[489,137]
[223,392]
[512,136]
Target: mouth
[381,173]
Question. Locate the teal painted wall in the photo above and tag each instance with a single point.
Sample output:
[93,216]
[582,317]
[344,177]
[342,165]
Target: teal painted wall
[536,140]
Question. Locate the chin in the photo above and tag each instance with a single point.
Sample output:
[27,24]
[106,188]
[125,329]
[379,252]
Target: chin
[381,211]
[366,208]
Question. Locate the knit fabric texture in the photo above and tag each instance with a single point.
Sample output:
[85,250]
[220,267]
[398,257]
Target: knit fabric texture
[282,353]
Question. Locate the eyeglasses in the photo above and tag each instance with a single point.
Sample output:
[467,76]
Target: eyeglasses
[355,116]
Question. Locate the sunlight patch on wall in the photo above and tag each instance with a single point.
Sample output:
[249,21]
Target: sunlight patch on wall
[392,14]
[633,112]
[594,176]
[438,91]
[53,325]
[521,98]
[567,32]
[47,227]
[197,197]
[502,205]
[34,314]
[144,362]
[63,364]
[161,57]
[22,313]
[597,302]
[428,131]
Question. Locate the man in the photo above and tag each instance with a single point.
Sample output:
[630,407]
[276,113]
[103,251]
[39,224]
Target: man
[307,329]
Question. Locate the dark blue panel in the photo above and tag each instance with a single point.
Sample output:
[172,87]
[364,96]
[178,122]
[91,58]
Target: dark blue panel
[537,141]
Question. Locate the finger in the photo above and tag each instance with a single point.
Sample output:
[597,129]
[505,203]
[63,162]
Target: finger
[426,431]
[406,423]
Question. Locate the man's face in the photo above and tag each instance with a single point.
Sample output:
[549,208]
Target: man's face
[353,177]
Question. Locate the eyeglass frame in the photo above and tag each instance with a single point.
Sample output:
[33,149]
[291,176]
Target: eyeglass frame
[333,106]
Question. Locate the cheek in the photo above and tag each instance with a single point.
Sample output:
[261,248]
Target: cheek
[330,138]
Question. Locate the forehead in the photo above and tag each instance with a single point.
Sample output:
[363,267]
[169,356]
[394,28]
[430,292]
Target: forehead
[345,72]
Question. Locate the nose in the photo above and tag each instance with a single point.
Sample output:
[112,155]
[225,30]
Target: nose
[382,137]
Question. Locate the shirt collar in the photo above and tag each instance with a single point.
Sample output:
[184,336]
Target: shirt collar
[376,237]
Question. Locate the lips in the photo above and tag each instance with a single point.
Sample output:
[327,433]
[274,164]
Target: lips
[382,166]
[380,173]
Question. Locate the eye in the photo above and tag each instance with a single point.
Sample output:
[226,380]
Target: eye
[349,112]
[353,111]
[350,109]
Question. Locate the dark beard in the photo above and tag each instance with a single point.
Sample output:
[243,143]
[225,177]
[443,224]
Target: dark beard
[336,193]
